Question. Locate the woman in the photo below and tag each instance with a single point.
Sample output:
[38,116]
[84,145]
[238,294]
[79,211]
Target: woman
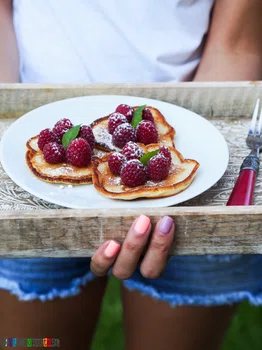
[138,41]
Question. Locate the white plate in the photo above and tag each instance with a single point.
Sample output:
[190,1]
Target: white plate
[196,139]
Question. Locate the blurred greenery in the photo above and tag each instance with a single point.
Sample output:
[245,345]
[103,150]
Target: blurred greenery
[109,334]
[246,329]
[244,333]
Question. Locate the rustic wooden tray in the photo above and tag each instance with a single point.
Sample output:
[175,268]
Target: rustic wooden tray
[31,227]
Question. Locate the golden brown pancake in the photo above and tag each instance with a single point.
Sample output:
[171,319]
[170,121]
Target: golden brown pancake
[103,140]
[181,175]
[64,173]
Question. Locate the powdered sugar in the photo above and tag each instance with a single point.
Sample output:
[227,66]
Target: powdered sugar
[103,137]
[126,110]
[62,126]
[63,170]
[55,149]
[54,153]
[46,136]
[79,153]
[122,134]
[115,120]
[114,181]
[133,173]
[158,168]
[146,132]
[132,151]
[116,161]
[61,187]
[99,153]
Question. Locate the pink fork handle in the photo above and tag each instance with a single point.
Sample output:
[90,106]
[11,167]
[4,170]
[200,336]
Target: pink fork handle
[243,191]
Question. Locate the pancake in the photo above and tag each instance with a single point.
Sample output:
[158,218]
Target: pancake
[103,140]
[63,173]
[181,174]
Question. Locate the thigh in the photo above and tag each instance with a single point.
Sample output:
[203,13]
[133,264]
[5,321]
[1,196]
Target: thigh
[56,298]
[72,320]
[154,324]
[187,307]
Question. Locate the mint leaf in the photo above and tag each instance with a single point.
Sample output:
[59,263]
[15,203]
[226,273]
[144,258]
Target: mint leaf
[137,117]
[70,135]
[146,157]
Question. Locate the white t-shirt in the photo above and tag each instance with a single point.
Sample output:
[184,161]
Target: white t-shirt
[87,41]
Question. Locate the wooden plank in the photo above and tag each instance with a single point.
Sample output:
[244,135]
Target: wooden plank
[200,230]
[77,233]
[227,99]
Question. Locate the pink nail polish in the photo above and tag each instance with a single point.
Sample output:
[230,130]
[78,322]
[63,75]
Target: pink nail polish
[111,249]
[142,224]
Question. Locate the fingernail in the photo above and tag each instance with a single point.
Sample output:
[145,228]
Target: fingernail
[111,249]
[165,225]
[142,224]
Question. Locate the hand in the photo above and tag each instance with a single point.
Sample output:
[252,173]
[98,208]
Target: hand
[123,259]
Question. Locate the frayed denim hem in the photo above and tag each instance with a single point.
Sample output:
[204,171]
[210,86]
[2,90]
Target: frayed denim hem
[73,289]
[176,299]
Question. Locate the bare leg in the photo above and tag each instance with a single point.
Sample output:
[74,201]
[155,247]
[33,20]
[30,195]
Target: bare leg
[154,325]
[72,320]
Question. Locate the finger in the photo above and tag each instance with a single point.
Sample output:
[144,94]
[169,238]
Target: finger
[157,253]
[132,248]
[104,258]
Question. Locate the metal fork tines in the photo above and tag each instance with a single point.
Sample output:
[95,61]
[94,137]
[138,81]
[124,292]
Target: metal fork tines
[254,140]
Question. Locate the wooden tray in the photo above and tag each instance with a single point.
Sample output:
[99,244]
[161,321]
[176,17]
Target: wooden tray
[31,227]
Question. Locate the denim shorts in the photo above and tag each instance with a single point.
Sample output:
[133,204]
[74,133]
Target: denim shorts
[187,280]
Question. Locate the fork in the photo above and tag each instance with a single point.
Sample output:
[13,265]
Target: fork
[243,191]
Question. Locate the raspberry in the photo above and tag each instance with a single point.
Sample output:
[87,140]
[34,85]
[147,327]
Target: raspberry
[122,134]
[114,120]
[166,153]
[127,111]
[79,153]
[86,133]
[115,162]
[133,173]
[61,127]
[132,151]
[146,132]
[158,168]
[54,153]
[147,115]
[46,136]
